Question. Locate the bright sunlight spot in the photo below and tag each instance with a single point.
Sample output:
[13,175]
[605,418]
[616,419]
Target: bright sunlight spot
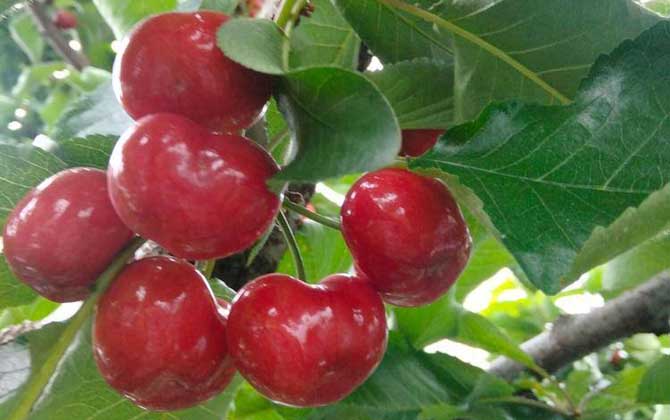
[472,355]
[75,45]
[61,74]
[330,194]
[375,65]
[44,142]
[20,113]
[14,126]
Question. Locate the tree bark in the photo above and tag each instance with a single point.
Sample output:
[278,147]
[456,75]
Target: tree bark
[645,309]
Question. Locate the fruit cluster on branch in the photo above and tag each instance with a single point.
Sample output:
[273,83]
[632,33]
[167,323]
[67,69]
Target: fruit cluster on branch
[185,178]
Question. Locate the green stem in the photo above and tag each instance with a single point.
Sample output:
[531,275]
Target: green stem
[527,402]
[207,268]
[469,36]
[292,244]
[277,139]
[286,18]
[33,389]
[326,221]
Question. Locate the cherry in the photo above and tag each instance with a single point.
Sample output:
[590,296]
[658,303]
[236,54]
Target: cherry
[417,142]
[305,345]
[406,234]
[254,7]
[159,338]
[64,19]
[171,63]
[63,234]
[199,195]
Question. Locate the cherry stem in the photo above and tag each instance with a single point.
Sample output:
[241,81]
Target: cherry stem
[326,221]
[292,245]
[286,18]
[39,380]
[207,268]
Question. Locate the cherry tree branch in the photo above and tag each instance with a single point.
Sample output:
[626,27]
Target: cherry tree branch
[54,36]
[645,309]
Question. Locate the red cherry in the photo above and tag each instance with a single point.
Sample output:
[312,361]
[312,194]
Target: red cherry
[159,338]
[254,7]
[417,142]
[63,234]
[306,345]
[199,195]
[406,234]
[64,19]
[171,63]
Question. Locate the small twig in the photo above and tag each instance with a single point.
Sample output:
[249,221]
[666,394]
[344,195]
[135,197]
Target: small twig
[54,36]
[292,245]
[326,221]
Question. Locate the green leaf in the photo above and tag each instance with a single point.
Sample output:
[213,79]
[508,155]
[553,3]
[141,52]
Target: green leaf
[21,168]
[25,34]
[656,383]
[122,15]
[417,103]
[341,122]
[446,318]
[254,43]
[97,112]
[53,106]
[637,265]
[324,39]
[225,6]
[12,291]
[533,51]
[409,381]
[92,151]
[324,252]
[393,35]
[548,176]
[37,310]
[77,390]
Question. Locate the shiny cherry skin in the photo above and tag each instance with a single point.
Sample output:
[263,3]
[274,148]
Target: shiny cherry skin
[63,234]
[199,195]
[171,63]
[307,345]
[406,234]
[64,19]
[417,142]
[159,338]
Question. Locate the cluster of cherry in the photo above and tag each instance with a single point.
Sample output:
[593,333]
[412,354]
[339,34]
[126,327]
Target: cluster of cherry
[181,178]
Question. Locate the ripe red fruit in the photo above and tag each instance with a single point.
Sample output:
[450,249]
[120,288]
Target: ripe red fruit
[63,234]
[64,19]
[159,338]
[406,234]
[254,7]
[305,345]
[199,195]
[171,63]
[417,142]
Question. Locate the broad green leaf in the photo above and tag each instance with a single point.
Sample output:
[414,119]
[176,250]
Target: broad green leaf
[409,381]
[53,106]
[323,250]
[92,151]
[20,360]
[36,310]
[548,176]
[254,43]
[446,318]
[621,393]
[95,36]
[34,76]
[534,51]
[658,6]
[97,112]
[12,291]
[393,35]
[656,383]
[122,15]
[25,34]
[12,59]
[637,265]
[324,39]
[341,122]
[420,91]
[77,391]
[21,168]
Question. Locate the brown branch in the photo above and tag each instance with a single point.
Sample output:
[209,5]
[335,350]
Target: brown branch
[645,309]
[54,36]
